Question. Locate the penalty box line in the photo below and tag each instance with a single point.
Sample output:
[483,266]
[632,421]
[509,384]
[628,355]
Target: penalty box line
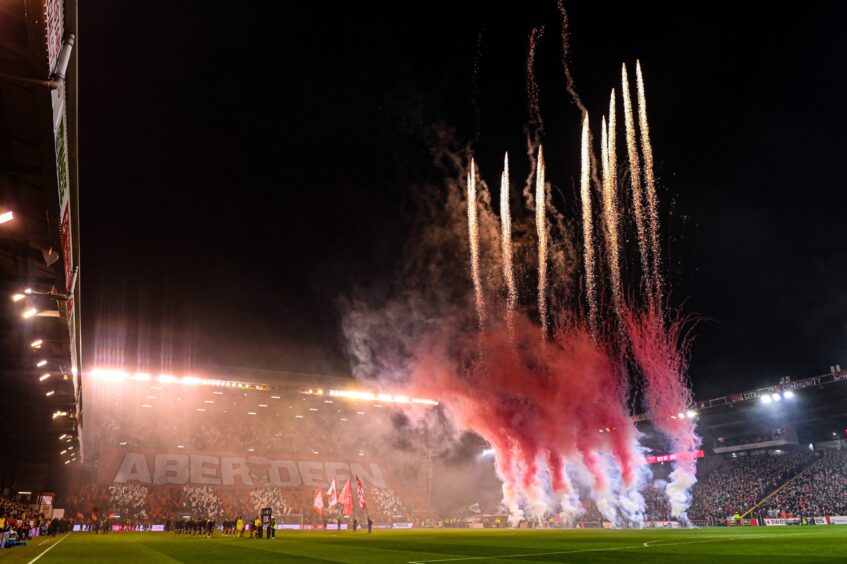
[643,545]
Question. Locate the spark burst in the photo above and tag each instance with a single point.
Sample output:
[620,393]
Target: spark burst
[473,237]
[610,205]
[506,244]
[587,229]
[650,182]
[541,229]
[635,183]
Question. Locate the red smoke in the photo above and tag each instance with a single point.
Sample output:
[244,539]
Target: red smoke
[539,404]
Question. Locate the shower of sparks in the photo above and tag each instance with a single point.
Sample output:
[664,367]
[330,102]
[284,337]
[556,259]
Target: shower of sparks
[610,211]
[473,235]
[650,182]
[541,228]
[635,183]
[587,229]
[506,242]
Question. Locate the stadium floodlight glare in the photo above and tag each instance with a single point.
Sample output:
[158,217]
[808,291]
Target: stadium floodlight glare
[43,377]
[64,451]
[6,217]
[41,363]
[62,436]
[29,313]
[681,415]
[50,393]
[766,399]
[36,344]
[17,297]
[788,394]
[776,397]
[691,414]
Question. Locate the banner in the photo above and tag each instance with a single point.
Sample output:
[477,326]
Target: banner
[149,467]
[674,456]
[781,522]
[838,519]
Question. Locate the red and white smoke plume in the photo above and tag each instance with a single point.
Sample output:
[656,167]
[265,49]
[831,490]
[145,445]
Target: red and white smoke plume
[546,383]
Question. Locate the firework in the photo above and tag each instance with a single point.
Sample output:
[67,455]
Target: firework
[635,183]
[588,228]
[506,244]
[473,237]
[650,183]
[541,230]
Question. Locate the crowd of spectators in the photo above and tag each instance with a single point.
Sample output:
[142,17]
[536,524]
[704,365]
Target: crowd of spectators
[739,483]
[19,523]
[819,491]
[753,438]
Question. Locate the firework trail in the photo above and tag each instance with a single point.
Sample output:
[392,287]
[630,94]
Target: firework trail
[587,229]
[610,211]
[506,244]
[635,183]
[650,181]
[570,86]
[473,237]
[532,91]
[541,230]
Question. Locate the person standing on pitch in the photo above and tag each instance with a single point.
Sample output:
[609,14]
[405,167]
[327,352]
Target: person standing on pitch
[370,524]
[272,528]
[239,527]
[257,527]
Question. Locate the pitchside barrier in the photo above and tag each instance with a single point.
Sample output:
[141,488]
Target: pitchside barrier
[793,521]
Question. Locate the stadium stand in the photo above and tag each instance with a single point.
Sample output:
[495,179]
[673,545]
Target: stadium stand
[737,484]
[820,490]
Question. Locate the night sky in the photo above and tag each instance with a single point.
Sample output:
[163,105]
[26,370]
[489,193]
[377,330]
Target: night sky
[241,170]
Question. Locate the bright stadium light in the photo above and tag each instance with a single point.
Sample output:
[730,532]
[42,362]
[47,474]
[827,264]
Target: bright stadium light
[691,414]
[44,377]
[36,344]
[62,436]
[776,397]
[17,297]
[29,313]
[681,415]
[41,363]
[766,399]
[788,394]
[6,217]
[50,393]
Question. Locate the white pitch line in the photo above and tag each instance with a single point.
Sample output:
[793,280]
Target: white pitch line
[645,545]
[46,550]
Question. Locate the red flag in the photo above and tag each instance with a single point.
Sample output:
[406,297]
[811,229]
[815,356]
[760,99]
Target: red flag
[360,493]
[331,496]
[319,501]
[346,498]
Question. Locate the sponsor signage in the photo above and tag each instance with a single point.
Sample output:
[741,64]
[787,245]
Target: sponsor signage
[781,522]
[838,519]
[148,467]
[402,526]
[675,456]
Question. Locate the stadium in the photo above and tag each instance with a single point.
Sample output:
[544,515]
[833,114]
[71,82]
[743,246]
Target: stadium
[348,297]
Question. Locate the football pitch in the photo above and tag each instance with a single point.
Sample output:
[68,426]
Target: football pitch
[724,545]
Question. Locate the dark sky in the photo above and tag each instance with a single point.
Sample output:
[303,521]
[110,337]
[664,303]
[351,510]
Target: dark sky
[242,169]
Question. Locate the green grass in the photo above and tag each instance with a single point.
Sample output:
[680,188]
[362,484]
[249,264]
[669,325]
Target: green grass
[821,544]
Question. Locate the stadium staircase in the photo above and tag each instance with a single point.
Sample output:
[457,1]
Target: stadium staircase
[781,487]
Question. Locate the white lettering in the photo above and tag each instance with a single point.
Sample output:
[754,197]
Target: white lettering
[293,478]
[375,477]
[204,469]
[232,466]
[133,467]
[312,473]
[338,471]
[171,469]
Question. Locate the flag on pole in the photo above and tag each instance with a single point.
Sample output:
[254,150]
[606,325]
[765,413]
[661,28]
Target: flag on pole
[331,496]
[346,498]
[319,501]
[360,493]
